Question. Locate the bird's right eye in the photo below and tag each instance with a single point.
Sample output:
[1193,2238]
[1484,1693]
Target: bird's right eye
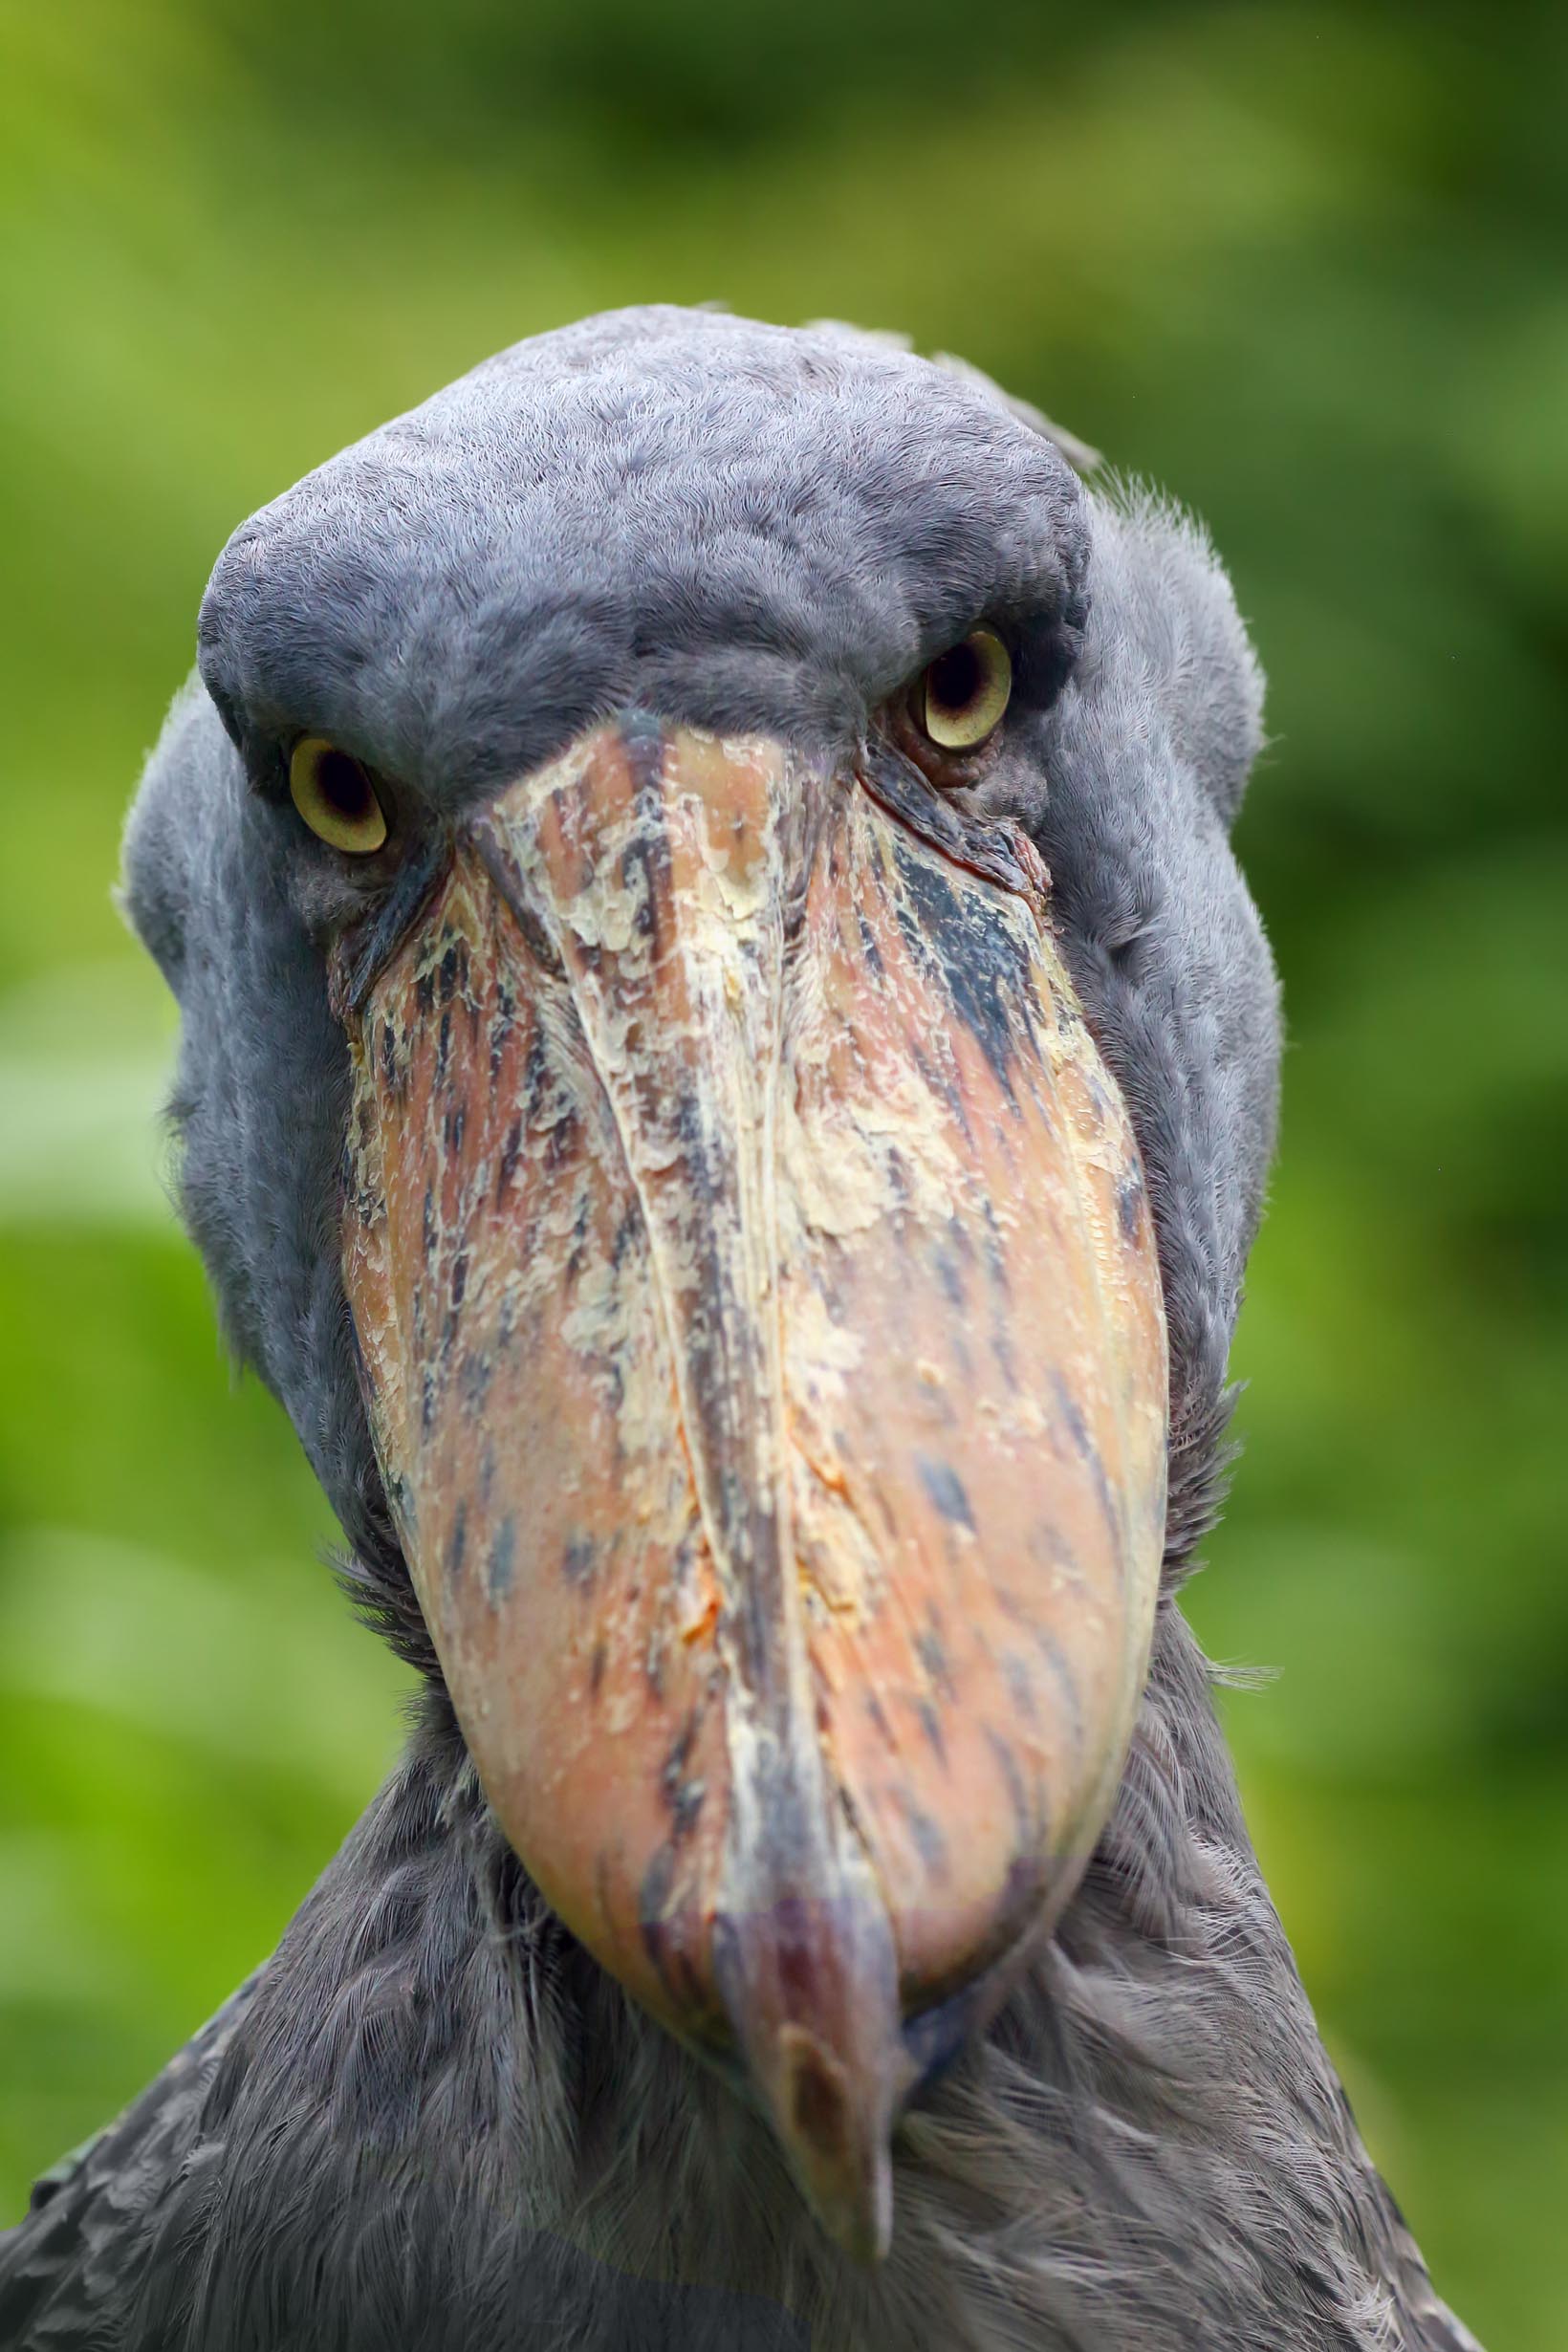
[334,793]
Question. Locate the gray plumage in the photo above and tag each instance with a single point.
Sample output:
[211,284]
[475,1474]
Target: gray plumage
[430,2120]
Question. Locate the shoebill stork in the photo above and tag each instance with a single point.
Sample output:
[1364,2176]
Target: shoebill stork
[727,1078]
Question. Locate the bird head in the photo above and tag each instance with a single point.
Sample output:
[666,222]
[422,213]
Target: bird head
[726,1073]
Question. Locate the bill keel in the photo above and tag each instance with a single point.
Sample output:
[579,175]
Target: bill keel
[762,1330]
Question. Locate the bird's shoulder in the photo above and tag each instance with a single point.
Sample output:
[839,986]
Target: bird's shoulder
[1433,2326]
[74,2261]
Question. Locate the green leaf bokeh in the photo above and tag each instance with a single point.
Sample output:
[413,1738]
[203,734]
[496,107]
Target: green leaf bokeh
[1305,266]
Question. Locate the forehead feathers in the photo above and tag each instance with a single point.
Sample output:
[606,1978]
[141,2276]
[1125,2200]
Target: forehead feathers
[736,524]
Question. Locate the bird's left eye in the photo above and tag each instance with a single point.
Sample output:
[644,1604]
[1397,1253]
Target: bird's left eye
[962,694]
[334,793]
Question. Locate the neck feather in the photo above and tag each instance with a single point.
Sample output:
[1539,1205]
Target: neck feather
[1148,2148]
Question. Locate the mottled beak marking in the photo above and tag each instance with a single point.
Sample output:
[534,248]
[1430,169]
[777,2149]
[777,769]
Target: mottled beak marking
[762,1332]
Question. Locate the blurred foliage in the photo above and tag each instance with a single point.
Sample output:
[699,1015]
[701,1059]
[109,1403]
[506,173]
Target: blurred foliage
[1304,265]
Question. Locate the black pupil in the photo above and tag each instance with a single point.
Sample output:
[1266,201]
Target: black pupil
[957,677]
[343,785]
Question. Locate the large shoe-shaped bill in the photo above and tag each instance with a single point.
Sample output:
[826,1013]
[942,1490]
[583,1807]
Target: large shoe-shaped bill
[761,1325]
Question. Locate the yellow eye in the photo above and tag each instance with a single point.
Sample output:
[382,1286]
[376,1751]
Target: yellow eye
[961,696]
[334,793]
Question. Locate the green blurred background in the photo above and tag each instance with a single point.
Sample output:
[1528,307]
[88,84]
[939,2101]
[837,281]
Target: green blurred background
[1304,266]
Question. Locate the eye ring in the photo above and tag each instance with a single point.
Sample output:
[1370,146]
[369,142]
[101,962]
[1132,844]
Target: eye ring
[961,697]
[336,797]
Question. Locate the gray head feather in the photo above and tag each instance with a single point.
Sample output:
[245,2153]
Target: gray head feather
[741,527]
